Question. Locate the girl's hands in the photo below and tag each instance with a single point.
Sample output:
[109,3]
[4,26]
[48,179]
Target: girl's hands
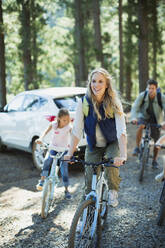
[39,141]
[118,161]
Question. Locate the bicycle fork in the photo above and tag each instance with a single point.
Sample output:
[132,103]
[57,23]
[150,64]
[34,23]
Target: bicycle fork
[96,198]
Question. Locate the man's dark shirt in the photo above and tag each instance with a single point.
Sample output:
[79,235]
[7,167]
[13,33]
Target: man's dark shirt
[150,111]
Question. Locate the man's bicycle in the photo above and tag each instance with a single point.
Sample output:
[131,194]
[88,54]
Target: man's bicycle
[50,181]
[90,216]
[145,148]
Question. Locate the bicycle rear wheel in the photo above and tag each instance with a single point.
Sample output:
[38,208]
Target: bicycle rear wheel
[161,216]
[81,227]
[46,198]
[144,160]
[104,204]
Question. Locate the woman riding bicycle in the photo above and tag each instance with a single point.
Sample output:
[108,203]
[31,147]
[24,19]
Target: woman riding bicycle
[101,115]
[61,135]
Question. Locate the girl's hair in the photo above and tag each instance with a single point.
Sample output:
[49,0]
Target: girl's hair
[62,112]
[111,101]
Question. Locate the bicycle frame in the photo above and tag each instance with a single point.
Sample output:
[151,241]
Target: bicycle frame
[90,216]
[49,184]
[96,196]
[52,176]
[146,137]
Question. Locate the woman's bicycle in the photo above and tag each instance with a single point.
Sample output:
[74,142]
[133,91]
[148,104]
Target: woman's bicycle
[50,181]
[90,216]
[161,215]
[145,148]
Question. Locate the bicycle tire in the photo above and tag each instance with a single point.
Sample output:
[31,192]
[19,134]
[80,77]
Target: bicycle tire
[46,198]
[104,205]
[83,240]
[161,215]
[143,161]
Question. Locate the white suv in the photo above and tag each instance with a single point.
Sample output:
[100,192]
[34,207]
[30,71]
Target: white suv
[28,114]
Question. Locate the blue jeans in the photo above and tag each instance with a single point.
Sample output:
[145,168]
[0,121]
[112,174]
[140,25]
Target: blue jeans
[63,167]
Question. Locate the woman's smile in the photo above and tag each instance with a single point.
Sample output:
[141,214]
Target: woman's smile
[98,85]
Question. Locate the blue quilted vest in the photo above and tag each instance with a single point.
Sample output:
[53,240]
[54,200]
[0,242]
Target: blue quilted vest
[107,126]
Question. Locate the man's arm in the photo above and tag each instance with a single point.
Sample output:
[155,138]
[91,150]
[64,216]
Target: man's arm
[136,106]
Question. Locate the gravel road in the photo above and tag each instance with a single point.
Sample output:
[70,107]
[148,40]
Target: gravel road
[131,225]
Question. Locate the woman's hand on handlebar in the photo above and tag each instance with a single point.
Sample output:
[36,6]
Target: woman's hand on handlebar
[118,161]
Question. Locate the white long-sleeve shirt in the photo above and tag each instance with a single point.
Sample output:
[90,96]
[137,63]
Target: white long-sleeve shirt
[100,140]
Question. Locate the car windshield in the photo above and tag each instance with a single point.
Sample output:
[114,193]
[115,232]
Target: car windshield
[68,102]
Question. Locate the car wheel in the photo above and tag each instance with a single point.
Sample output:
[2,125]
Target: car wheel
[2,147]
[38,155]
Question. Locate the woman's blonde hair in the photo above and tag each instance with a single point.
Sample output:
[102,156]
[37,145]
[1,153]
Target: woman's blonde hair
[111,101]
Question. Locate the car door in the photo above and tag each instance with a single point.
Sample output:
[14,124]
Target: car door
[26,123]
[8,120]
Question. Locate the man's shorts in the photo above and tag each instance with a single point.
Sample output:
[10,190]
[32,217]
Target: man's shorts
[155,131]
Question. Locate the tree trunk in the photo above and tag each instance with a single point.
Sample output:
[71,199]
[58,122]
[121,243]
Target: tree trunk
[129,47]
[129,82]
[80,65]
[34,49]
[26,43]
[97,29]
[143,44]
[121,47]
[154,38]
[2,62]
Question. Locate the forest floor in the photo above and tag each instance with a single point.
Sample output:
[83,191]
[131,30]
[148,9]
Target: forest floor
[131,224]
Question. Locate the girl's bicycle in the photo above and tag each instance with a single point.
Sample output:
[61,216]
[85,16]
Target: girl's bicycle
[90,216]
[145,148]
[161,215]
[50,181]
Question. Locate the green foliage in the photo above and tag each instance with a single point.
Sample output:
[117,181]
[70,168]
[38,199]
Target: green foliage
[52,26]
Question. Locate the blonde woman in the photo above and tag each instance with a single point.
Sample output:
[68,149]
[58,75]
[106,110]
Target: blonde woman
[101,115]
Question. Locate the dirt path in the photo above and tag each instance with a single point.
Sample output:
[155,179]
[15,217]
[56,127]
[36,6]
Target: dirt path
[131,224]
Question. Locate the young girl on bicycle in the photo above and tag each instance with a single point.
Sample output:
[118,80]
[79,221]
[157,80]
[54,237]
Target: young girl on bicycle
[60,138]
[160,177]
[101,115]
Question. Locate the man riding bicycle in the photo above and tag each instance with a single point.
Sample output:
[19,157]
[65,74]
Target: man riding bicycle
[149,107]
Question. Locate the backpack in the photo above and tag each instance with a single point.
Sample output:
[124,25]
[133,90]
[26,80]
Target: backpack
[158,97]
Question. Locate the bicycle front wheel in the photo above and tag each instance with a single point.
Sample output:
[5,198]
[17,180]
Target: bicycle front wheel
[143,160]
[80,235]
[104,204]
[46,198]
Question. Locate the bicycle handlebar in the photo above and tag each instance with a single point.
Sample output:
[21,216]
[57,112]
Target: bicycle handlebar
[104,162]
[148,124]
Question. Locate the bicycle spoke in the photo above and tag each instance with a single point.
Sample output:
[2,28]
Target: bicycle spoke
[84,239]
[82,227]
[46,199]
